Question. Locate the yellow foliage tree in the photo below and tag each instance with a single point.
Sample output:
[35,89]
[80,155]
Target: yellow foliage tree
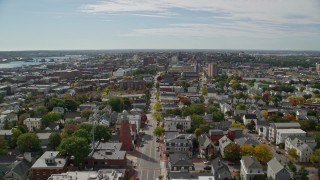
[263,152]
[264,113]
[247,150]
[237,125]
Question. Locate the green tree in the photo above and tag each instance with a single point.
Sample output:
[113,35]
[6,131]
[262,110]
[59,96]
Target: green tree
[158,131]
[260,177]
[49,118]
[54,140]
[28,142]
[101,131]
[241,107]
[232,152]
[82,133]
[15,135]
[157,106]
[40,111]
[263,152]
[86,113]
[293,153]
[75,146]
[71,104]
[196,121]
[204,90]
[205,127]
[116,103]
[302,174]
[217,116]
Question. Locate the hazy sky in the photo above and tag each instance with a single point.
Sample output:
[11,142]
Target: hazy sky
[159,24]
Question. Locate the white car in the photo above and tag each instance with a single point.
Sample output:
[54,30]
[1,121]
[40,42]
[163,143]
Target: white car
[206,162]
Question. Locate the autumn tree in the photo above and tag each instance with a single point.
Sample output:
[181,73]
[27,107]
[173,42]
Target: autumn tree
[157,106]
[293,153]
[86,113]
[237,125]
[197,132]
[315,157]
[157,116]
[247,150]
[232,152]
[263,152]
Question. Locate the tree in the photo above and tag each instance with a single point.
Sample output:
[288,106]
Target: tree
[247,150]
[158,131]
[116,103]
[68,130]
[82,133]
[157,116]
[204,90]
[264,113]
[232,152]
[40,111]
[205,127]
[86,113]
[75,146]
[263,152]
[241,107]
[15,135]
[196,120]
[28,142]
[157,106]
[101,131]
[179,126]
[315,157]
[54,140]
[293,153]
[260,177]
[217,116]
[49,118]
[71,104]
[197,132]
[237,125]
[302,174]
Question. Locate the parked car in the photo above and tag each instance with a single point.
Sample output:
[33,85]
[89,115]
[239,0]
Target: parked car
[206,162]
[278,152]
[207,168]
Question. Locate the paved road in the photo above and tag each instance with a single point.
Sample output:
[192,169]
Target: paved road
[148,164]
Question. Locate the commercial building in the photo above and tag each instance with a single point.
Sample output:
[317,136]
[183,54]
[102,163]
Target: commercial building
[213,70]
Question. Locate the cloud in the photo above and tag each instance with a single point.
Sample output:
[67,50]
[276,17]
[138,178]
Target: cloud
[275,11]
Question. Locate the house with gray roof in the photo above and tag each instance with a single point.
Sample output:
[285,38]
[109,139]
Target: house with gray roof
[180,162]
[304,151]
[245,140]
[18,170]
[250,167]
[49,163]
[181,143]
[220,170]
[276,171]
[275,126]
[223,143]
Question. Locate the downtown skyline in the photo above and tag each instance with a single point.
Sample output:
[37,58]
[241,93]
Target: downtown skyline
[162,24]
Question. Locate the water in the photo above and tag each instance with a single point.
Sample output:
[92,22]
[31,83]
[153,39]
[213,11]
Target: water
[15,64]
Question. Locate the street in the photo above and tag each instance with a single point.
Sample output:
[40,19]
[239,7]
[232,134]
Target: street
[148,164]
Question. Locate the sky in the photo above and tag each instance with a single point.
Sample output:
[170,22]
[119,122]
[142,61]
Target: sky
[159,24]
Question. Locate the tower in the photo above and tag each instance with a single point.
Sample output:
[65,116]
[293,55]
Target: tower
[213,70]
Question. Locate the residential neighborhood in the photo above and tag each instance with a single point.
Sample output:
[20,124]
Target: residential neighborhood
[160,115]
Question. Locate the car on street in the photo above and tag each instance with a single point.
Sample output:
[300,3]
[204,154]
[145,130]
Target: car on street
[207,168]
[206,162]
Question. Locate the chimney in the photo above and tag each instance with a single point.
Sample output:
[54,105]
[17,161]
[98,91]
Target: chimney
[27,156]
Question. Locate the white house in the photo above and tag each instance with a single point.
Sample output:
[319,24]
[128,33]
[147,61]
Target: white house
[283,134]
[275,126]
[250,167]
[304,151]
[32,123]
[170,123]
[248,118]
[223,143]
